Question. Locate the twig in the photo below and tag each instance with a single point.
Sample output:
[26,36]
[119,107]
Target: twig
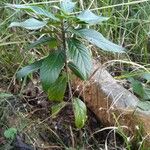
[117,5]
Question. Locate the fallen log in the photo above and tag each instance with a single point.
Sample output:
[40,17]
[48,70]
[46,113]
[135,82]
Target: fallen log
[112,103]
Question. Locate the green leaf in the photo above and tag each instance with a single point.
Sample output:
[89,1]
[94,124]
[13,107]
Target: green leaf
[80,56]
[80,112]
[40,11]
[98,39]
[29,69]
[146,76]
[30,24]
[144,105]
[88,17]
[76,70]
[67,6]
[146,93]
[57,89]
[37,10]
[5,95]
[52,42]
[57,108]
[10,133]
[137,87]
[51,68]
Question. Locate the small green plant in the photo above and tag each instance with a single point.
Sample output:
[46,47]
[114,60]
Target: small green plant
[140,89]
[67,34]
[10,133]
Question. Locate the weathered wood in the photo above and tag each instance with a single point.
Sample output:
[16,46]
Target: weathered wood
[111,102]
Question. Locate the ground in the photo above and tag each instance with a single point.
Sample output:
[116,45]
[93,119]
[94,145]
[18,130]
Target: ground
[30,113]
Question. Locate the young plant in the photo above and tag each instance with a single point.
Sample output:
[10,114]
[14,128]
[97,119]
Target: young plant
[67,36]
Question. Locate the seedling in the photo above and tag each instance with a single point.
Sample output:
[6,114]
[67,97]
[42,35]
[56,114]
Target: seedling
[67,34]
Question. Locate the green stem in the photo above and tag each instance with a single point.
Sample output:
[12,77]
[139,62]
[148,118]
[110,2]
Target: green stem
[66,63]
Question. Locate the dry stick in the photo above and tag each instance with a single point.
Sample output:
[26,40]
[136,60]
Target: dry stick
[81,3]
[13,78]
[105,65]
[29,4]
[91,4]
[72,137]
[106,128]
[50,147]
[116,5]
[39,3]
[46,2]
[122,4]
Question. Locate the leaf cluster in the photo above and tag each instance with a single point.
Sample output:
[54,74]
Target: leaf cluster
[67,36]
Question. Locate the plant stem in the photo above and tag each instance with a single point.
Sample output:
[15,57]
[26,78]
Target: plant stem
[66,63]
